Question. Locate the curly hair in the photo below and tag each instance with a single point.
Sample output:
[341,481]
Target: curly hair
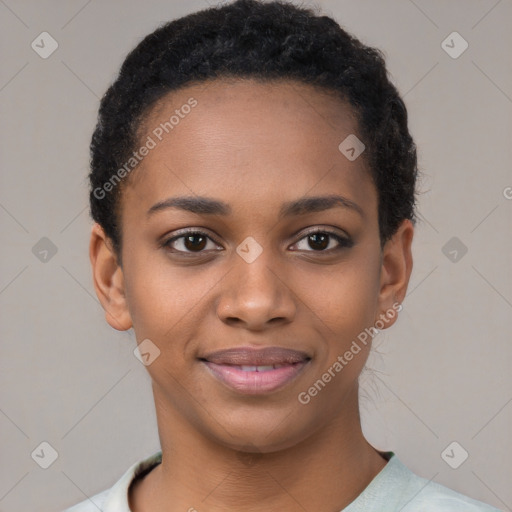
[266,41]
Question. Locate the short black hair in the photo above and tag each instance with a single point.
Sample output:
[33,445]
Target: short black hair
[267,41]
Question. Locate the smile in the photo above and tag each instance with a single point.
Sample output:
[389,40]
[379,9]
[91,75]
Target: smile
[256,371]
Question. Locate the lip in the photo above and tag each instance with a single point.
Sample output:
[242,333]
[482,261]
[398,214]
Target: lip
[251,356]
[258,377]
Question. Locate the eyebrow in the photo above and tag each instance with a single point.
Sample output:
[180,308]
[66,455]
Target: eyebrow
[302,206]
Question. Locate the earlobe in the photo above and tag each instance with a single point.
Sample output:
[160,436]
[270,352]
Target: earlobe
[396,270]
[108,280]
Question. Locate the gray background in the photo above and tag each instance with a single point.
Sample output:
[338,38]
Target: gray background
[441,374]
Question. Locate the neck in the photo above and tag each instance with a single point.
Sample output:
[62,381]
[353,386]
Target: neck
[326,471]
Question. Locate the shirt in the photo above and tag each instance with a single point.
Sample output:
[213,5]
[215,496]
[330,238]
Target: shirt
[395,488]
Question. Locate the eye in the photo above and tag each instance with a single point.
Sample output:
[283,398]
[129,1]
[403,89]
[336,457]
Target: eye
[197,242]
[322,240]
[189,242]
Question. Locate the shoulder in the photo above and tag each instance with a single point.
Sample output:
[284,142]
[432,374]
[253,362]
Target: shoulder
[115,499]
[436,497]
[397,488]
[422,495]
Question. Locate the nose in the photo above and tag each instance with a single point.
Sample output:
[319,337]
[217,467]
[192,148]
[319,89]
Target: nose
[256,295]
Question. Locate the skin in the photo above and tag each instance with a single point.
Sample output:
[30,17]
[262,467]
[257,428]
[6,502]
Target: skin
[254,146]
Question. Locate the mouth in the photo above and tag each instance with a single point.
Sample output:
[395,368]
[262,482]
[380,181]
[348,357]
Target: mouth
[256,371]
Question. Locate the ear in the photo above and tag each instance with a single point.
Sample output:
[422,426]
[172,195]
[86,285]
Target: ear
[395,272]
[108,280]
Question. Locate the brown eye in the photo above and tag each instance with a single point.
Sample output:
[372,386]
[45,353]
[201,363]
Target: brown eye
[190,242]
[318,241]
[194,242]
[323,241]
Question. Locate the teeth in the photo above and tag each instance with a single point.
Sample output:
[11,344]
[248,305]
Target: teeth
[263,368]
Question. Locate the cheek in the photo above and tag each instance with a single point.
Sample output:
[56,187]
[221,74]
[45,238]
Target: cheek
[343,298]
[167,303]
[155,295]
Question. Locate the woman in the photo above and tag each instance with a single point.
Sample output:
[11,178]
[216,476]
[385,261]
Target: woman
[253,192]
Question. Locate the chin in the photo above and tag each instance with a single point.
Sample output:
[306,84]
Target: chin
[262,431]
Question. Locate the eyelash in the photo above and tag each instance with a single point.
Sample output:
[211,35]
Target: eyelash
[344,242]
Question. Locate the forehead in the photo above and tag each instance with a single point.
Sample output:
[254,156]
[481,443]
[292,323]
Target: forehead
[252,140]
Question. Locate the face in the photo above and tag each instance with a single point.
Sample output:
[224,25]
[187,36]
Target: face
[252,287]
